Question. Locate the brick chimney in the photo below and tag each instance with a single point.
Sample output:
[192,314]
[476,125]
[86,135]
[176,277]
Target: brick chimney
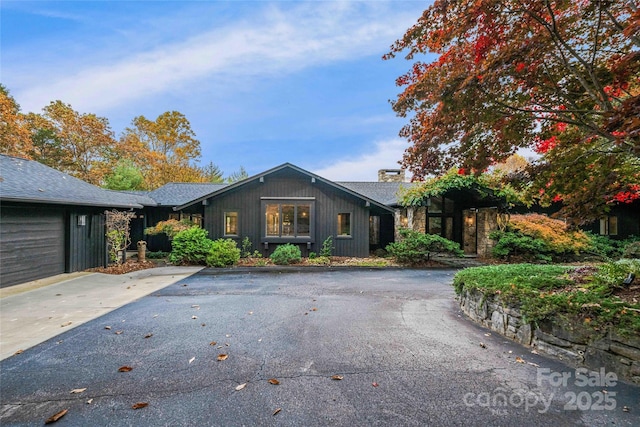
[391,175]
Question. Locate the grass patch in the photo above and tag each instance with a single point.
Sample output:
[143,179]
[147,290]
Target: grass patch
[593,295]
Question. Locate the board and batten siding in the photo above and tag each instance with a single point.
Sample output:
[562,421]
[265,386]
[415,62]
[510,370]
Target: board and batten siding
[328,203]
[32,244]
[87,243]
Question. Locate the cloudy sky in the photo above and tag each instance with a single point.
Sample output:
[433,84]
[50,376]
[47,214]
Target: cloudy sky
[262,83]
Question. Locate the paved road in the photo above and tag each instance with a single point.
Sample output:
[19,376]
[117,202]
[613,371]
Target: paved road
[396,338]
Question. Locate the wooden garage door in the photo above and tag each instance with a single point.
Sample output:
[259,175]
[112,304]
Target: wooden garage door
[31,244]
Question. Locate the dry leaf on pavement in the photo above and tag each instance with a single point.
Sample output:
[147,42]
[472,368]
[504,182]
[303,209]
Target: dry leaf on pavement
[273,381]
[222,357]
[241,386]
[125,369]
[140,405]
[55,417]
[78,390]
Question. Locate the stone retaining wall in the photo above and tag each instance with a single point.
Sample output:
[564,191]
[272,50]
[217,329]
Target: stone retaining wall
[561,338]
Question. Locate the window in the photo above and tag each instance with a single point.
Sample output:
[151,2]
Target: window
[344,224]
[609,226]
[287,220]
[231,223]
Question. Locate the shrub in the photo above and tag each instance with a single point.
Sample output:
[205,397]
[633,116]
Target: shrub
[312,255]
[157,255]
[512,244]
[190,246]
[535,237]
[416,248]
[223,253]
[632,250]
[327,247]
[286,254]
[170,227]
[321,260]
[605,247]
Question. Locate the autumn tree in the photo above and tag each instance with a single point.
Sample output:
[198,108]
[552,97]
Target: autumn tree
[164,149]
[15,139]
[558,77]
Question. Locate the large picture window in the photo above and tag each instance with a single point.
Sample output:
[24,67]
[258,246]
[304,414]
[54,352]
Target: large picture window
[288,219]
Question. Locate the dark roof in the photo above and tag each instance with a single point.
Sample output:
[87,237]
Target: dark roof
[29,181]
[385,193]
[179,193]
[285,167]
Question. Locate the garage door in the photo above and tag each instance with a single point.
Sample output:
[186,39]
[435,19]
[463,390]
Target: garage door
[31,244]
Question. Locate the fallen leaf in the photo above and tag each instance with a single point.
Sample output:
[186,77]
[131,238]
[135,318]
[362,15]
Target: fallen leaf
[191,360]
[19,352]
[483,345]
[534,352]
[108,328]
[519,359]
[487,335]
[155,315]
[204,324]
[65,324]
[148,335]
[213,343]
[227,344]
[196,306]
[56,417]
[194,317]
[140,405]
[314,309]
[250,313]
[78,390]
[89,401]
[274,381]
[125,369]
[276,411]
[625,409]
[222,357]
[241,386]
[533,364]
[375,384]
[228,336]
[119,332]
[337,377]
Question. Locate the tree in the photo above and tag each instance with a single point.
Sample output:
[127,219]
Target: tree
[86,141]
[212,173]
[14,136]
[124,176]
[556,76]
[163,149]
[239,175]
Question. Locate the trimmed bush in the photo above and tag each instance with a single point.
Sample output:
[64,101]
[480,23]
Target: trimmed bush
[286,254]
[223,253]
[190,246]
[416,248]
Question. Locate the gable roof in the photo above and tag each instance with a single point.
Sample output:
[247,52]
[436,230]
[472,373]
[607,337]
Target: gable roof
[24,180]
[180,193]
[286,167]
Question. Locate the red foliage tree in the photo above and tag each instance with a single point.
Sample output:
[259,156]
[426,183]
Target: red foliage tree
[559,77]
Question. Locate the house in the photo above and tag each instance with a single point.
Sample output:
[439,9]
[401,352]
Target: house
[288,204]
[51,222]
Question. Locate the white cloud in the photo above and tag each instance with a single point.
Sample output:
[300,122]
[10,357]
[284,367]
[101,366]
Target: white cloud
[384,154]
[279,40]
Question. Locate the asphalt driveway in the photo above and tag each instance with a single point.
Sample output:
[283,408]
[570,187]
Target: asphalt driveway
[394,341]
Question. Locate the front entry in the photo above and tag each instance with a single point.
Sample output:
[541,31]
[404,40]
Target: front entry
[470,231]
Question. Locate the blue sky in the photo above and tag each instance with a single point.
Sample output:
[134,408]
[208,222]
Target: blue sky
[262,83]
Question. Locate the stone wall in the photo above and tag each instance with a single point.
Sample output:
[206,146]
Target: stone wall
[561,338]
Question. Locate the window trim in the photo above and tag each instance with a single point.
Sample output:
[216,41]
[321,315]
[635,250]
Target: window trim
[296,201]
[224,222]
[344,236]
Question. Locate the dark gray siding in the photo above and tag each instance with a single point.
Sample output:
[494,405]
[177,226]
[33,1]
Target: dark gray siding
[87,243]
[328,202]
[32,244]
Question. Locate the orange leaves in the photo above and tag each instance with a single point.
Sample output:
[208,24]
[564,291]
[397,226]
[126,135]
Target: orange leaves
[55,417]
